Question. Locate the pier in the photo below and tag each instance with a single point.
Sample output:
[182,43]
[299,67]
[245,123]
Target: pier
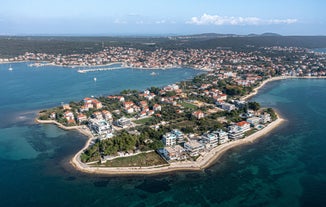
[97,69]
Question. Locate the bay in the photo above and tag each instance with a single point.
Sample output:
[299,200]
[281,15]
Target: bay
[285,168]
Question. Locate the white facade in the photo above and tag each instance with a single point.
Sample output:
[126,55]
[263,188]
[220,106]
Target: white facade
[193,147]
[254,120]
[169,139]
[228,106]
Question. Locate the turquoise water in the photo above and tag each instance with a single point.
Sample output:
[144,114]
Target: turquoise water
[285,168]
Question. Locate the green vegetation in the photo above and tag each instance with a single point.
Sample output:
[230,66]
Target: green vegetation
[188,105]
[272,113]
[123,141]
[250,132]
[254,106]
[140,160]
[144,120]
[11,46]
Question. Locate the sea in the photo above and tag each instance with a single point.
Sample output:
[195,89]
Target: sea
[284,168]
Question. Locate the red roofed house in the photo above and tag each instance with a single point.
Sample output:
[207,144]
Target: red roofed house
[198,114]
[245,126]
[69,116]
[81,118]
[150,112]
[88,103]
[107,115]
[92,103]
[97,104]
[128,104]
[143,104]
[157,107]
[98,115]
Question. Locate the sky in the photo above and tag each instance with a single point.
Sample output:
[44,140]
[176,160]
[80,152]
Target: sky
[161,17]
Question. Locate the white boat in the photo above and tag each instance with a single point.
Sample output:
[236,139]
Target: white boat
[95,79]
[81,71]
[10,68]
[153,73]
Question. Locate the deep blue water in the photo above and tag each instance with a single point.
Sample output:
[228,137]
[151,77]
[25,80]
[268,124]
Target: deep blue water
[285,168]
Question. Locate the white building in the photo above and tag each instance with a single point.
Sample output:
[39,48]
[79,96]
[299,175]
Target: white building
[193,147]
[210,139]
[123,122]
[253,121]
[222,136]
[100,126]
[169,139]
[237,131]
[174,153]
[264,118]
[228,106]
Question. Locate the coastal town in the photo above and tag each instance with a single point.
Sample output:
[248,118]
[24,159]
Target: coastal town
[182,122]
[266,60]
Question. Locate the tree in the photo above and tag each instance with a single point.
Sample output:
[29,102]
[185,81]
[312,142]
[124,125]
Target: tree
[254,106]
[154,90]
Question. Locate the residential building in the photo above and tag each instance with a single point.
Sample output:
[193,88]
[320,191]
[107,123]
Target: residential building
[174,153]
[100,126]
[244,126]
[107,115]
[169,139]
[222,136]
[210,139]
[123,122]
[237,131]
[193,147]
[53,115]
[253,121]
[81,118]
[97,115]
[66,106]
[228,106]
[198,114]
[265,118]
[157,107]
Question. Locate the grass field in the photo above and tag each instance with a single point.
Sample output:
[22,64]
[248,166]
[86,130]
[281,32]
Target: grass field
[189,105]
[140,160]
[143,121]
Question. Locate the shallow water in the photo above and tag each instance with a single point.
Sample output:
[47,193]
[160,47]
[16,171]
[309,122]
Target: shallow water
[285,168]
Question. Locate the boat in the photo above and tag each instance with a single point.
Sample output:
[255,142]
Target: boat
[81,71]
[95,79]
[153,73]
[10,68]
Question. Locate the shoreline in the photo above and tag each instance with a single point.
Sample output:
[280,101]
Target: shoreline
[201,163]
[122,66]
[255,91]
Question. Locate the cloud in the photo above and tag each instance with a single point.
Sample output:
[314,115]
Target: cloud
[160,21]
[207,19]
[119,21]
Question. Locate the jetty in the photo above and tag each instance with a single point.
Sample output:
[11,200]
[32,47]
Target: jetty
[97,69]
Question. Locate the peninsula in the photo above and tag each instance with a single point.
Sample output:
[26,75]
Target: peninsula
[186,125]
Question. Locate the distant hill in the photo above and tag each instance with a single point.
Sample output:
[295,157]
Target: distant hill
[217,35]
[260,41]
[11,46]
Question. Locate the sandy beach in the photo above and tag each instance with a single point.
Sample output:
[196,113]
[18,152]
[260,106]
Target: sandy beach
[255,91]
